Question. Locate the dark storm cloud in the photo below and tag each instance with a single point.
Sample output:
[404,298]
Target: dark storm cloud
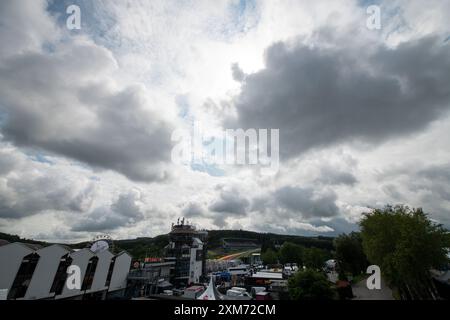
[7,162]
[338,224]
[193,210]
[220,221]
[419,185]
[231,202]
[25,25]
[393,192]
[126,206]
[59,96]
[26,196]
[101,219]
[61,104]
[434,179]
[304,201]
[237,73]
[431,181]
[123,212]
[322,96]
[439,173]
[333,176]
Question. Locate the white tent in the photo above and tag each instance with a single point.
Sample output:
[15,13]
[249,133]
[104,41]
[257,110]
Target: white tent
[211,292]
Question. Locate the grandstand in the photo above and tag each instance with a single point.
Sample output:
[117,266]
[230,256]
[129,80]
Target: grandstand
[231,244]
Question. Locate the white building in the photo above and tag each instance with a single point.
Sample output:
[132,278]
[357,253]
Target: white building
[196,264]
[105,259]
[12,257]
[120,272]
[31,272]
[81,258]
[45,272]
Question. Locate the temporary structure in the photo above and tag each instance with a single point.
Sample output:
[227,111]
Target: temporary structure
[211,293]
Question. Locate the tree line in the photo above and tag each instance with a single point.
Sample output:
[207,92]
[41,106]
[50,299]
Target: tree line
[405,243]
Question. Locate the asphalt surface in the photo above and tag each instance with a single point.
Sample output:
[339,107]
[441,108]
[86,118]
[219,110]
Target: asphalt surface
[361,292]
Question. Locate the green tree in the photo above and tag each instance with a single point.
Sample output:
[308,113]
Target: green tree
[406,244]
[315,258]
[269,257]
[350,254]
[310,285]
[291,253]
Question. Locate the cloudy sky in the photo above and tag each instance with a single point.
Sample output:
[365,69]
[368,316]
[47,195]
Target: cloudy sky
[87,116]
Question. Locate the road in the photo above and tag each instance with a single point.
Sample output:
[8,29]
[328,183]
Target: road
[238,255]
[361,292]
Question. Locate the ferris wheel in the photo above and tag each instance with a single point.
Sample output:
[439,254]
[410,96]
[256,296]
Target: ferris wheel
[102,243]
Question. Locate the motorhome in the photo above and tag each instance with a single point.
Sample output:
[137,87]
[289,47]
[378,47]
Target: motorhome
[241,270]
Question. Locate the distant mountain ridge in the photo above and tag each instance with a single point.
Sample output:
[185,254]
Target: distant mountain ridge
[147,246]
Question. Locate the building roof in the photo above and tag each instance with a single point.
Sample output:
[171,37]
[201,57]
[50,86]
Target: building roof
[268,275]
[33,246]
[30,246]
[67,248]
[123,253]
[3,242]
